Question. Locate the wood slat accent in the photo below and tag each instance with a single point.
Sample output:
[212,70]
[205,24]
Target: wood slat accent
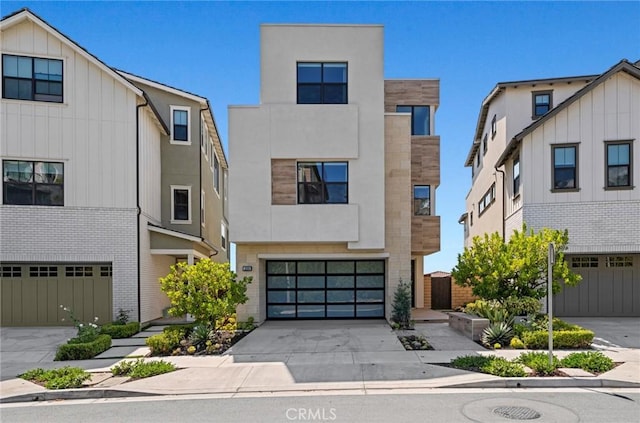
[425,235]
[425,160]
[283,181]
[416,92]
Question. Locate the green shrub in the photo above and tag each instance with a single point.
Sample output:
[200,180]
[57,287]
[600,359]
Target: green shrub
[516,343]
[201,334]
[561,339]
[164,343]
[497,333]
[181,331]
[84,350]
[123,317]
[590,361]
[249,325]
[401,306]
[502,367]
[118,331]
[471,362]
[488,309]
[62,378]
[140,369]
[521,306]
[539,362]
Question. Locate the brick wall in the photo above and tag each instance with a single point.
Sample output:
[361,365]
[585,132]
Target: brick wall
[75,234]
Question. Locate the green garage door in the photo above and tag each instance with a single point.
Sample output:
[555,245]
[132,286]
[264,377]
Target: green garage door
[325,289]
[610,287]
[31,294]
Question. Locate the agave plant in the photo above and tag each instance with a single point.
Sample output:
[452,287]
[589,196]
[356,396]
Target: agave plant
[497,333]
[200,334]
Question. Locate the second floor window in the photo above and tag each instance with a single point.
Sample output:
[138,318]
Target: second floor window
[216,173]
[542,103]
[180,204]
[422,200]
[484,145]
[494,126]
[180,125]
[322,83]
[33,183]
[419,118]
[618,164]
[516,176]
[488,199]
[565,167]
[323,183]
[31,78]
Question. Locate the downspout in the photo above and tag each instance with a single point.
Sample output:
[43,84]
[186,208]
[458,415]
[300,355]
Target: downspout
[138,107]
[504,203]
[200,167]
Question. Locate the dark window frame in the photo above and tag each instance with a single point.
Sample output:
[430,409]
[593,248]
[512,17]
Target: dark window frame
[413,117]
[534,105]
[494,126]
[32,184]
[607,166]
[175,204]
[484,145]
[487,199]
[416,206]
[516,178]
[321,184]
[176,126]
[35,82]
[322,84]
[576,168]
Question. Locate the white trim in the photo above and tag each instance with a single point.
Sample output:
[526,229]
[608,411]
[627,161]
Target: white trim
[224,231]
[202,209]
[204,135]
[188,110]
[328,256]
[173,220]
[163,87]
[173,233]
[178,252]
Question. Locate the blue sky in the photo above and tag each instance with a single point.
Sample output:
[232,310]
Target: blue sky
[212,49]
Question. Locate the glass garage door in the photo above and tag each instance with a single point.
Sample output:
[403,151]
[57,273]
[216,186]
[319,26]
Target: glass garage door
[325,289]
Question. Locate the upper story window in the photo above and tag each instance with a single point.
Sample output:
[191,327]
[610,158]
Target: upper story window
[542,103]
[619,261]
[422,200]
[180,131]
[488,199]
[323,182]
[494,126]
[33,183]
[484,145]
[478,159]
[516,176]
[619,160]
[180,204]
[31,78]
[223,236]
[322,83]
[565,167]
[216,173]
[202,209]
[420,115]
[584,261]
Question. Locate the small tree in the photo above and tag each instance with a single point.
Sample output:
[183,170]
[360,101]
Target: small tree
[207,290]
[401,313]
[516,269]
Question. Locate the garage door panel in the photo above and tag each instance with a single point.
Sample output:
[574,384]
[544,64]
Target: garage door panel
[102,303]
[41,299]
[54,312]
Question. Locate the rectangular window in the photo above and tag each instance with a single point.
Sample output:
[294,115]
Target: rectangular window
[619,168]
[516,176]
[31,78]
[216,174]
[488,199]
[223,236]
[484,145]
[494,126]
[11,272]
[43,271]
[180,201]
[565,167]
[323,183]
[202,213]
[584,261]
[33,183]
[420,116]
[422,200]
[619,261]
[78,271]
[180,125]
[106,271]
[542,103]
[322,83]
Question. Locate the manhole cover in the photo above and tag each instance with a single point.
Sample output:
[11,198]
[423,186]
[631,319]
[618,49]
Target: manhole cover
[517,413]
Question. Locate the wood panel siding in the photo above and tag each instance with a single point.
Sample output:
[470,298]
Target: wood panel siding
[414,92]
[283,182]
[425,235]
[425,160]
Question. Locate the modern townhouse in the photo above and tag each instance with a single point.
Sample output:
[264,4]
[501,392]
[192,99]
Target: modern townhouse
[562,153]
[333,189]
[104,184]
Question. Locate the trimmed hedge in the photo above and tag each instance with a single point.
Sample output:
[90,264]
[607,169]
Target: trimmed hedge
[164,343]
[118,331]
[83,351]
[569,339]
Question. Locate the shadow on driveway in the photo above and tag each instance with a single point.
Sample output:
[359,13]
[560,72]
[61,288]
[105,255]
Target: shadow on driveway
[611,331]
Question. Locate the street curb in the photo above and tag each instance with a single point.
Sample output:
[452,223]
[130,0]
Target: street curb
[495,383]
[74,395]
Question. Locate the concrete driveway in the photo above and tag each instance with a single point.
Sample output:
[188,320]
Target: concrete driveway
[611,331]
[25,348]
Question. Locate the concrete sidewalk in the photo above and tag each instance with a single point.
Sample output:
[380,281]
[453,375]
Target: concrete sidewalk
[349,357]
